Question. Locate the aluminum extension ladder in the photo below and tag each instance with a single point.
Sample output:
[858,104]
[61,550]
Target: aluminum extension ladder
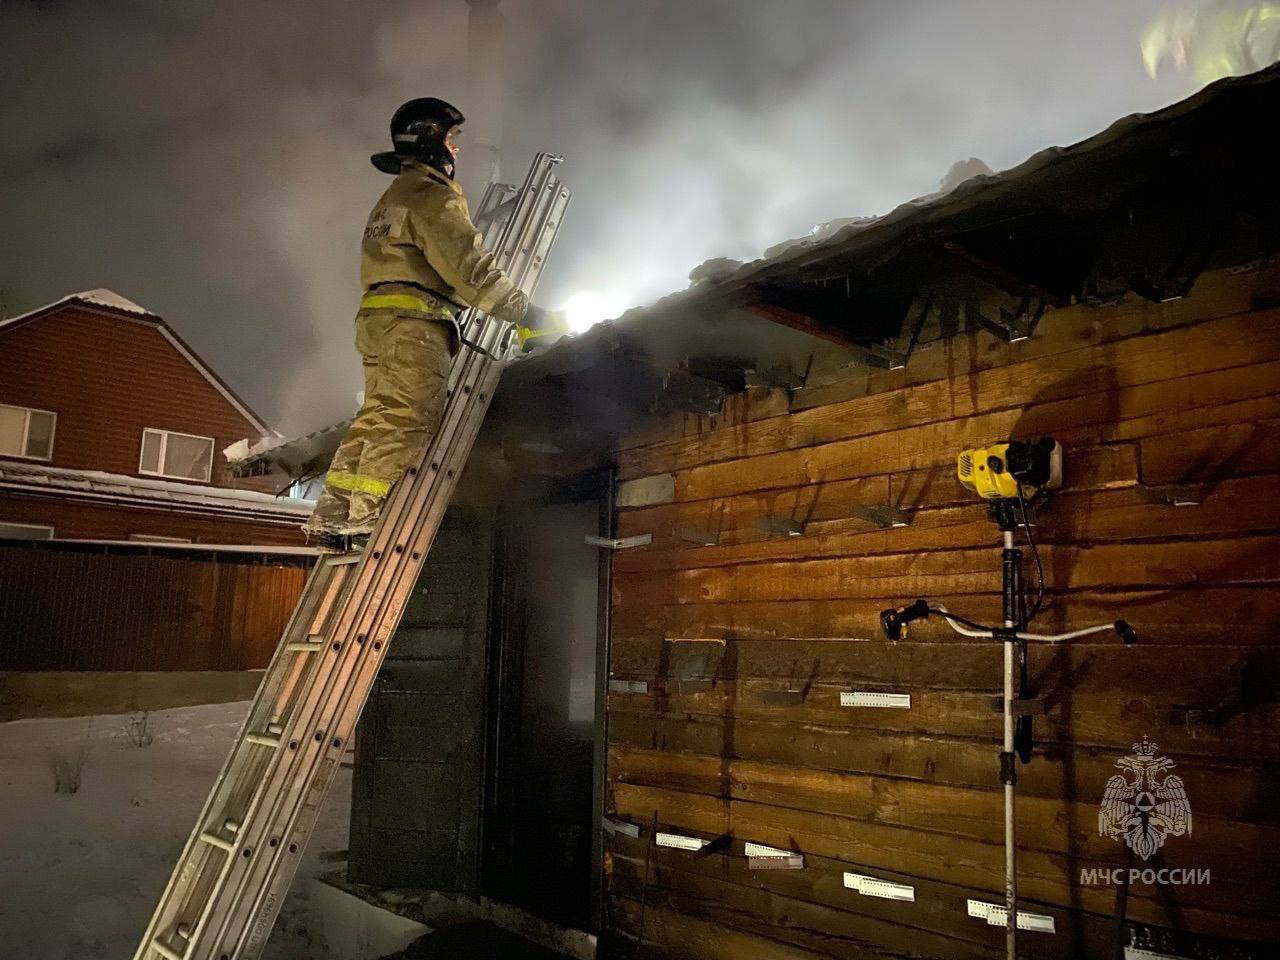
[237,866]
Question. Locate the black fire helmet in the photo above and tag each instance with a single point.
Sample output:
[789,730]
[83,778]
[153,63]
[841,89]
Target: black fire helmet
[418,131]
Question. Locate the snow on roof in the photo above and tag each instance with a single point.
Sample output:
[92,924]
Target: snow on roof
[98,485]
[99,297]
[297,457]
[246,449]
[109,298]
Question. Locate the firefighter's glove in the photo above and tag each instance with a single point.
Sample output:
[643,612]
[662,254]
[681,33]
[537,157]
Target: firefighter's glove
[540,328]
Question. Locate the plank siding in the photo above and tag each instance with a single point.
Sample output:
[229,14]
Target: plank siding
[108,378]
[744,642]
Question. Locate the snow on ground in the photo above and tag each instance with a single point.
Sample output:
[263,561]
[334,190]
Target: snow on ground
[80,874]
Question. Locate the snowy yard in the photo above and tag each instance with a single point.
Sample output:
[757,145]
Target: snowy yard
[80,874]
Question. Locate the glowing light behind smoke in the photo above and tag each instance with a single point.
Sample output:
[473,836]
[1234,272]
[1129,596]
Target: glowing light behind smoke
[586,308]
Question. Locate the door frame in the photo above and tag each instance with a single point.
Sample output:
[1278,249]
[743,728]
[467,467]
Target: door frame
[505,672]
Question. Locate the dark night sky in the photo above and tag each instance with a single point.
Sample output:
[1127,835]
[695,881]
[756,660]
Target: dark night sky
[210,161]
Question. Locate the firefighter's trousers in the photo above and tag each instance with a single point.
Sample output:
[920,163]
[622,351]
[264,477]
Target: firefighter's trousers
[406,368]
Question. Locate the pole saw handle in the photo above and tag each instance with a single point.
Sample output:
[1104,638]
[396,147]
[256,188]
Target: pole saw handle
[894,620]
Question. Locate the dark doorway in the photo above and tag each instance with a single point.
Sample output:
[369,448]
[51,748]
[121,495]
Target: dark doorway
[544,736]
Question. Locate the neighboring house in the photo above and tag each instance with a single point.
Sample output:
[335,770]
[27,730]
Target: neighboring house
[111,428]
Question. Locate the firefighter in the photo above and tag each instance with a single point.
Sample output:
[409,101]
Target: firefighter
[1216,40]
[421,261]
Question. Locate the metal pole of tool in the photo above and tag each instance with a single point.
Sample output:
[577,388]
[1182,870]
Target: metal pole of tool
[1011,590]
[1034,467]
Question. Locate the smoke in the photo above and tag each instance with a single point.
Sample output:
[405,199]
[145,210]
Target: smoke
[211,161]
[719,128]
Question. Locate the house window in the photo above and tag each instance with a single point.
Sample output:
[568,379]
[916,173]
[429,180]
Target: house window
[178,455]
[25,531]
[26,433]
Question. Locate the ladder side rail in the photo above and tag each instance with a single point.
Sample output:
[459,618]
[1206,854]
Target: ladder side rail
[310,727]
[356,691]
[367,614]
[300,819]
[324,688]
[252,763]
[511,231]
[323,764]
[528,221]
[248,816]
[313,590]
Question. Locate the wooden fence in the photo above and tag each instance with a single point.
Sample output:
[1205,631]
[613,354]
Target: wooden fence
[64,608]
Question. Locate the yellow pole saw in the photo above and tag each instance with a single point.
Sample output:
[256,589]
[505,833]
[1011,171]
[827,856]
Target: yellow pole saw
[1013,478]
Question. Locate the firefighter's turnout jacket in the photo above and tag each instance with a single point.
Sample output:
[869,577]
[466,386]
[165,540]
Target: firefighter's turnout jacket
[421,261]
[420,236]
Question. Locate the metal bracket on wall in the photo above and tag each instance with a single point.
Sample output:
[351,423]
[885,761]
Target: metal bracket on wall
[1175,494]
[628,686]
[620,828]
[693,670]
[693,667]
[780,526]
[678,842]
[1214,715]
[884,889]
[621,543]
[790,861]
[777,377]
[1014,326]
[875,698]
[880,356]
[884,515]
[761,857]
[703,538]
[996,915]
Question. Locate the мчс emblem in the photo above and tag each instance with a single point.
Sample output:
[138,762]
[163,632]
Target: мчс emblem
[1147,805]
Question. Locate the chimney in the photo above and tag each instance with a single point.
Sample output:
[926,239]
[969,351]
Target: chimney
[485,61]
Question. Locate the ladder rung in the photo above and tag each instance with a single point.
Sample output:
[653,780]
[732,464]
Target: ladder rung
[263,739]
[167,951]
[312,644]
[344,559]
[216,841]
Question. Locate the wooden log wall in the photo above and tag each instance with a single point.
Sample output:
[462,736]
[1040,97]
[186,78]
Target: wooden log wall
[731,646]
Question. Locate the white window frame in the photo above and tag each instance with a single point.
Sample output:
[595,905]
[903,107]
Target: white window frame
[14,524]
[164,446]
[26,432]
